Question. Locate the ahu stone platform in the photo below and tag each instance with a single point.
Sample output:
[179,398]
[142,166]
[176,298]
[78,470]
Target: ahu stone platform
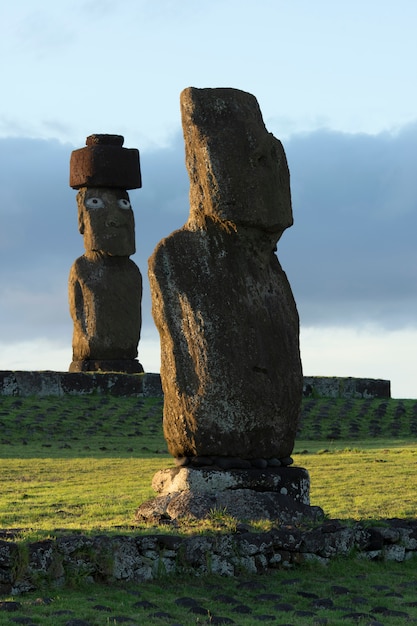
[48,383]
[274,493]
[51,383]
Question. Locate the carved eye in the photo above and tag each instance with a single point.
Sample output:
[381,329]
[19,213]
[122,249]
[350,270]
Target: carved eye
[94,203]
[123,203]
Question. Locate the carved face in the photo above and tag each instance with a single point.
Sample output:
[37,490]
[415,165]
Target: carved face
[106,220]
[259,192]
[238,170]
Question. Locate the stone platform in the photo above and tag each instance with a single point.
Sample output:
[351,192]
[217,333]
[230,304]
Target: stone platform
[51,383]
[279,494]
[43,383]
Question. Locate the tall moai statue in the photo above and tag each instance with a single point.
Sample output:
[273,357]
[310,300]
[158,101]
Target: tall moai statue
[230,360]
[231,369]
[105,285]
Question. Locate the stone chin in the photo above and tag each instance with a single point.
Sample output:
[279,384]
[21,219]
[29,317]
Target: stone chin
[112,246]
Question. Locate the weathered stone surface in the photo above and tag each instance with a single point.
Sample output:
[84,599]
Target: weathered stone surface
[230,363]
[115,384]
[293,482]
[106,221]
[30,383]
[9,555]
[22,383]
[116,558]
[40,556]
[103,162]
[242,504]
[152,387]
[347,387]
[126,366]
[105,303]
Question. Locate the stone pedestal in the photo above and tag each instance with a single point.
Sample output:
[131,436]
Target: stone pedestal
[277,494]
[126,366]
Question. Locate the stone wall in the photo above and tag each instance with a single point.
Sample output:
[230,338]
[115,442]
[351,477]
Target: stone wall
[103,559]
[334,387]
[48,383]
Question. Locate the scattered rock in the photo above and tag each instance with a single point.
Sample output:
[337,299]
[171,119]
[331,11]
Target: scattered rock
[242,608]
[10,606]
[144,604]
[284,607]
[323,603]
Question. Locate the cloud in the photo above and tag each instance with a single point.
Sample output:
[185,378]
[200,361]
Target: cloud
[39,237]
[350,256]
[40,30]
[362,353]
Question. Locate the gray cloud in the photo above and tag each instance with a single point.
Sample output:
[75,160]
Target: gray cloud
[350,256]
[39,237]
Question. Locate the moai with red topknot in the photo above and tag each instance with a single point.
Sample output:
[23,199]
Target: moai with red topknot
[105,285]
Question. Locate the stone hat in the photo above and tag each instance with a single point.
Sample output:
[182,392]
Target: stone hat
[103,162]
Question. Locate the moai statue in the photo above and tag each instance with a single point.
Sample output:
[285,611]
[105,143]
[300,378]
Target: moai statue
[231,369]
[230,361]
[105,285]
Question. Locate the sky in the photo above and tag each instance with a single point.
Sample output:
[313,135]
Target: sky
[336,82]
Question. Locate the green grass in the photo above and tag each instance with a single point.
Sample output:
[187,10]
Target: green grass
[84,463]
[80,426]
[373,483]
[334,419]
[93,495]
[101,495]
[97,425]
[347,586]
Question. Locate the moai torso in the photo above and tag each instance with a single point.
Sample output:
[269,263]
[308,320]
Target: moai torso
[105,285]
[230,361]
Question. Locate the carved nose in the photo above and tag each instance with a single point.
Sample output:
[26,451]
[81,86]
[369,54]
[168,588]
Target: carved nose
[112,221]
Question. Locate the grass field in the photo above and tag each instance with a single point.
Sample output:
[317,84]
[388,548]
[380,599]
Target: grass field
[86,462]
[343,594]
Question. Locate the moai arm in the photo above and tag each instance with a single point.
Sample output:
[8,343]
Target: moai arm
[182,351]
[76,299]
[80,344]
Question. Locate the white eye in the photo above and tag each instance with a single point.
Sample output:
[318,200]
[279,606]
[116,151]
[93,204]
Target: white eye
[123,203]
[94,203]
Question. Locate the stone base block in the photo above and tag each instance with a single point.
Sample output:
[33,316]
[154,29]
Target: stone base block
[288,481]
[277,494]
[245,505]
[125,366]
